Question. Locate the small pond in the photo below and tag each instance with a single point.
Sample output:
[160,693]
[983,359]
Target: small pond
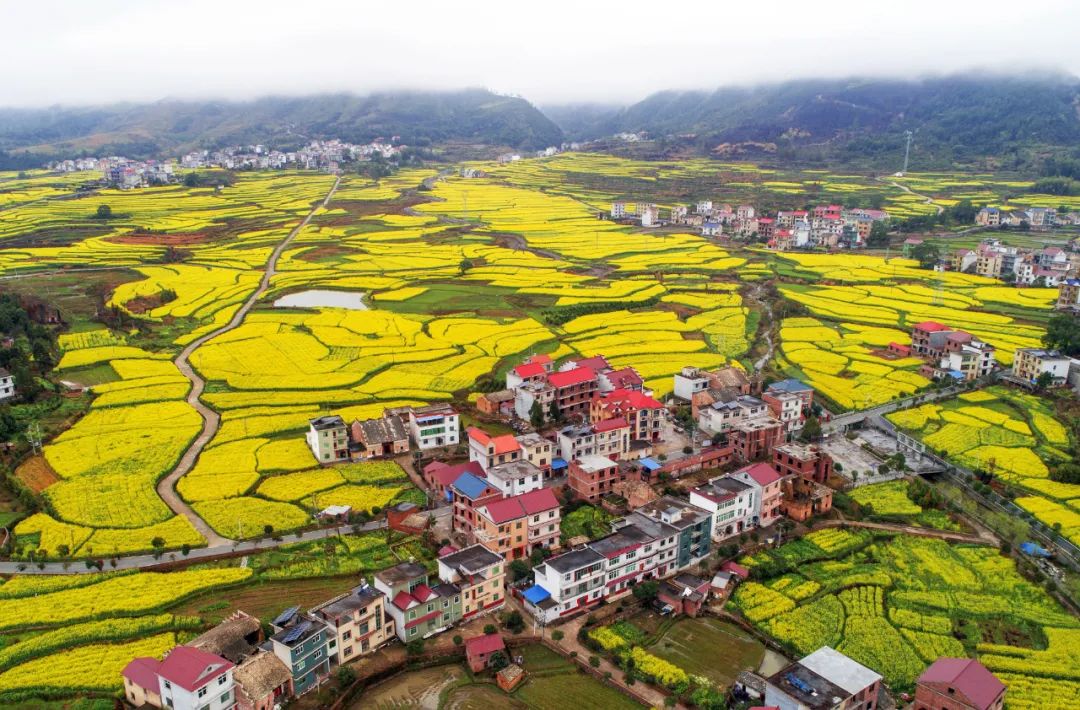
[322,298]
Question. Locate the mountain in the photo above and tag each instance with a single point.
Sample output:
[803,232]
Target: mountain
[420,118]
[955,119]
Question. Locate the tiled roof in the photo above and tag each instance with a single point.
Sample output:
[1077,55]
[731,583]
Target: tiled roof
[609,424]
[448,475]
[930,326]
[529,369]
[191,668]
[519,506]
[143,673]
[503,443]
[968,677]
[488,643]
[470,486]
[762,473]
[571,377]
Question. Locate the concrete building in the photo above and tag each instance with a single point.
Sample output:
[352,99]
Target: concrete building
[490,451]
[767,495]
[515,477]
[644,414]
[358,620]
[7,385]
[802,460]
[186,679]
[514,527]
[306,646]
[419,610]
[824,680]
[1029,363]
[434,426]
[480,575]
[328,439]
[693,523]
[731,503]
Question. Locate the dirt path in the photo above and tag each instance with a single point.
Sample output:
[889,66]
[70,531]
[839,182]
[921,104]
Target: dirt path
[926,200]
[166,487]
[755,294]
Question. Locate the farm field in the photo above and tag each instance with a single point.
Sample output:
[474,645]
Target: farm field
[1008,433]
[896,604]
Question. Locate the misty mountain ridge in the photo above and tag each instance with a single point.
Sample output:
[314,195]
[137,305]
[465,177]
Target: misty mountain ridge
[960,118]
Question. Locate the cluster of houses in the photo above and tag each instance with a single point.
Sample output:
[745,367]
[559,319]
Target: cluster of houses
[1049,266]
[1038,218]
[316,155]
[398,431]
[122,173]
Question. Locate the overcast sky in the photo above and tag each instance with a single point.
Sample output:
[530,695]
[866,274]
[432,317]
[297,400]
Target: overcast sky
[97,51]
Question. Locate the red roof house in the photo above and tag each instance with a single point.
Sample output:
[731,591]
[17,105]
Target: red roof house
[930,326]
[568,378]
[191,668]
[480,649]
[762,473]
[959,684]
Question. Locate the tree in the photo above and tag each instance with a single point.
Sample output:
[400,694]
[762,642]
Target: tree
[554,412]
[514,622]
[345,675]
[536,414]
[499,660]
[1044,380]
[557,635]
[103,212]
[811,430]
[519,569]
[927,254]
[457,639]
[465,265]
[879,234]
[491,629]
[646,591]
[1063,333]
[414,648]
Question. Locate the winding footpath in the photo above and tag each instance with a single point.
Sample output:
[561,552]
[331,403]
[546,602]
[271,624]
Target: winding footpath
[166,487]
[926,200]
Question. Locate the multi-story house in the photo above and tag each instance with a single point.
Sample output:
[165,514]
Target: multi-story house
[802,498]
[1029,363]
[1069,295]
[358,620]
[787,407]
[643,413]
[534,369]
[731,503]
[304,644]
[618,210]
[968,355]
[418,610]
[649,215]
[610,438]
[7,385]
[479,573]
[516,526]
[490,450]
[538,451]
[804,461]
[796,387]
[592,477]
[434,426]
[693,523]
[467,495]
[186,679]
[626,378]
[567,583]
[958,684]
[574,390]
[634,553]
[753,439]
[824,680]
[515,477]
[988,217]
[328,439]
[767,496]
[721,415]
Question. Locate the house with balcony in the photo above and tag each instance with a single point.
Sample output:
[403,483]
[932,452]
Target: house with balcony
[419,609]
[693,523]
[358,621]
[515,477]
[566,584]
[538,451]
[514,527]
[1030,363]
[433,426]
[644,414]
[306,646]
[767,495]
[186,679]
[490,450]
[328,439]
[592,477]
[802,460]
[480,575]
[731,503]
[610,438]
[467,495]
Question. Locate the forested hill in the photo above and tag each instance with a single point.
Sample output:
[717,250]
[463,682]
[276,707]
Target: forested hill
[142,130]
[956,119]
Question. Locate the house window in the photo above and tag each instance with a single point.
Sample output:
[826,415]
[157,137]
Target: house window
[346,636]
[317,654]
[221,679]
[226,697]
[202,692]
[348,651]
[445,603]
[168,685]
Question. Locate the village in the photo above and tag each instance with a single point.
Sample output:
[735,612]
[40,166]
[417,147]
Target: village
[727,464]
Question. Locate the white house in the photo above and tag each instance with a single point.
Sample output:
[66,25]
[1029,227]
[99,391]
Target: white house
[731,503]
[650,215]
[186,679]
[328,439]
[7,385]
[434,426]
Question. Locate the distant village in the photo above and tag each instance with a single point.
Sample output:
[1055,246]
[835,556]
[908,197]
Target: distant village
[1050,267]
[326,156]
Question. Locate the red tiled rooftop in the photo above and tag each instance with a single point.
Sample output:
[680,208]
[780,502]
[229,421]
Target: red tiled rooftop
[529,369]
[403,600]
[576,376]
[488,643]
[143,673]
[445,475]
[631,399]
[539,500]
[504,443]
[422,592]
[930,326]
[541,359]
[519,506]
[609,424]
[968,677]
[762,473]
[191,668]
[626,377]
[594,363]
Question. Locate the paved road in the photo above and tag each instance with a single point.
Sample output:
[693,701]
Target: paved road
[908,190]
[166,487]
[839,422]
[201,553]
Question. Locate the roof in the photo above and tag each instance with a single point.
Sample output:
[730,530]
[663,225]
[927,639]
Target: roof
[631,399]
[735,568]
[590,463]
[626,377]
[383,430]
[229,639]
[594,363]
[575,559]
[968,677]
[930,326]
[261,674]
[625,538]
[649,464]
[500,396]
[357,598]
[536,594]
[472,559]
[519,506]
[790,385]
[543,358]
[609,424]
[470,486]
[503,443]
[529,369]
[331,421]
[191,668]
[568,378]
[762,473]
[448,475]
[840,670]
[400,573]
[488,643]
[677,512]
[143,673]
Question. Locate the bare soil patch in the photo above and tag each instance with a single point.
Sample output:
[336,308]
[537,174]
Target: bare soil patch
[163,240]
[36,474]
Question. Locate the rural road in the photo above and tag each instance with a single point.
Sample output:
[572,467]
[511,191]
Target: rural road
[199,553]
[166,487]
[843,420]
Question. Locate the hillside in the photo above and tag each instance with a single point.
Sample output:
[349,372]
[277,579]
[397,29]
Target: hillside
[957,119]
[420,118]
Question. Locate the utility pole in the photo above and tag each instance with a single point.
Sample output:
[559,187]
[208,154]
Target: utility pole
[33,437]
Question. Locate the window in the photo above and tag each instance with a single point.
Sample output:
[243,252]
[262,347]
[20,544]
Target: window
[412,631]
[202,691]
[445,603]
[346,636]
[317,654]
[222,678]
[348,651]
[168,685]
[225,698]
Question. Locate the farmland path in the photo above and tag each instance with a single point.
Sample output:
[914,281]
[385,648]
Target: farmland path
[166,487]
[926,200]
[984,537]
